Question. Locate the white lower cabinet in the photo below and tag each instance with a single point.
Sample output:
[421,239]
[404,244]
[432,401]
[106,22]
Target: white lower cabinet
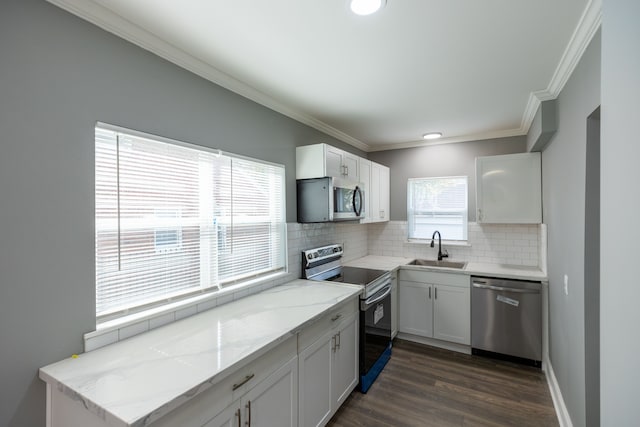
[264,392]
[273,402]
[328,366]
[416,308]
[435,305]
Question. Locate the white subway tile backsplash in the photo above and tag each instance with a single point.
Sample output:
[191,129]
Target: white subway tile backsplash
[186,312]
[134,329]
[100,340]
[156,322]
[489,243]
[207,305]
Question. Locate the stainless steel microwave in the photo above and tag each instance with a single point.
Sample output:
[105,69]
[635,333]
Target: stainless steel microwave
[329,199]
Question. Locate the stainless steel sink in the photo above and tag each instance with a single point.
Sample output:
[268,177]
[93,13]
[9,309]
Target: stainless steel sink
[436,263]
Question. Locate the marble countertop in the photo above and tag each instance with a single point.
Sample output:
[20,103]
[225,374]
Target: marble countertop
[520,272]
[150,374]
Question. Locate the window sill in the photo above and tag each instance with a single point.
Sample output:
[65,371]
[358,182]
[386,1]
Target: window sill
[459,243]
[111,331]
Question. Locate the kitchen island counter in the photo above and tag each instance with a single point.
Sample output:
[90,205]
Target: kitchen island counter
[137,381]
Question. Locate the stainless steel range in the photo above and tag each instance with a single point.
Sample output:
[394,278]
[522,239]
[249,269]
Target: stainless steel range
[325,263]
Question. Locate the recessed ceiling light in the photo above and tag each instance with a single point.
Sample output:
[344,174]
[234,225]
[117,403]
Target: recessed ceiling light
[432,135]
[366,7]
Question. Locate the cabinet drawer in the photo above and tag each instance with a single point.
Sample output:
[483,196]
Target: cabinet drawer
[329,321]
[254,372]
[434,277]
[202,408]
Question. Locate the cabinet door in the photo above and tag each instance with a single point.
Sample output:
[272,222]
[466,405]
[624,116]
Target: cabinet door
[416,315]
[230,417]
[365,179]
[274,402]
[375,192]
[380,193]
[384,203]
[350,164]
[344,367]
[509,189]
[333,158]
[315,382]
[451,314]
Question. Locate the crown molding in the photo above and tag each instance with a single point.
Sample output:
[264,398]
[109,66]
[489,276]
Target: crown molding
[587,27]
[115,24]
[88,10]
[451,140]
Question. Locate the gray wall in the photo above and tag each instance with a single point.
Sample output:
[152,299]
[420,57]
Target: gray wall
[58,76]
[620,204]
[563,189]
[440,160]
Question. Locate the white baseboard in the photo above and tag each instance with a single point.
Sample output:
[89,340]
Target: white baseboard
[558,402]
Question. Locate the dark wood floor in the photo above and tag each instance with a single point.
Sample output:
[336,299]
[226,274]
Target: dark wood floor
[425,386]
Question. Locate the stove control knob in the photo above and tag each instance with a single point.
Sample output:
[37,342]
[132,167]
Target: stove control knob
[309,256]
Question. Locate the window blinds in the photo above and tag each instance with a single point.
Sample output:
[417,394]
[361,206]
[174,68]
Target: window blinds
[437,204]
[174,219]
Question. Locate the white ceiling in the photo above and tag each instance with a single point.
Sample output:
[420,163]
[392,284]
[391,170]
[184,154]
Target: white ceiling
[467,68]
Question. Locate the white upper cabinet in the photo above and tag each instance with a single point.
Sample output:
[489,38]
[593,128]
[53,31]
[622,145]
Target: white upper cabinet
[509,189]
[376,191]
[320,160]
[365,178]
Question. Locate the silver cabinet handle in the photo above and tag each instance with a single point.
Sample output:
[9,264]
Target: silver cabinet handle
[336,317]
[429,292]
[338,341]
[333,343]
[243,382]
[248,406]
[435,293]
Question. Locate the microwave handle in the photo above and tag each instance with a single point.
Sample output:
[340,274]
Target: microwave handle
[357,192]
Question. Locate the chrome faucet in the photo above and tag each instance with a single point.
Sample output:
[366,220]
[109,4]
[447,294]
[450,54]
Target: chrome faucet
[440,253]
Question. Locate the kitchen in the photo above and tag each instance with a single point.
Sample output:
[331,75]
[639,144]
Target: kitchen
[61,74]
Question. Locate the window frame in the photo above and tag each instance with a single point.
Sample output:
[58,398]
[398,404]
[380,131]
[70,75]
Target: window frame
[412,212]
[237,282]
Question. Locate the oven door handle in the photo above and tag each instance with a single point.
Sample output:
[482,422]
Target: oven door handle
[374,299]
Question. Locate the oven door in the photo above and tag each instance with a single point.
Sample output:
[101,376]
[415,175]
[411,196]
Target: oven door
[375,335]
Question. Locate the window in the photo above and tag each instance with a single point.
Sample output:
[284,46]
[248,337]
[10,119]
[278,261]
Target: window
[173,219]
[437,204]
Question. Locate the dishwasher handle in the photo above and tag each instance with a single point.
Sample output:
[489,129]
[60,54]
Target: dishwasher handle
[481,285]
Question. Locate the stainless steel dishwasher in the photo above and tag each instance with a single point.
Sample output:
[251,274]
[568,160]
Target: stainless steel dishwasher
[506,319]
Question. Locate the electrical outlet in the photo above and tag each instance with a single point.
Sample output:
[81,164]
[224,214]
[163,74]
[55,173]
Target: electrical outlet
[566,284]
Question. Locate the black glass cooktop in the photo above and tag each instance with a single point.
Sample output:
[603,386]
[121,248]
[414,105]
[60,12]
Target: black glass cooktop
[358,276]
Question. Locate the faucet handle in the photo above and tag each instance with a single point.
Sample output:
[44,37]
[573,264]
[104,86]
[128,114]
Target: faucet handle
[445,254]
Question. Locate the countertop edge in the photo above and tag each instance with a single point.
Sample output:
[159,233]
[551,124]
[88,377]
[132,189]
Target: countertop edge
[471,269]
